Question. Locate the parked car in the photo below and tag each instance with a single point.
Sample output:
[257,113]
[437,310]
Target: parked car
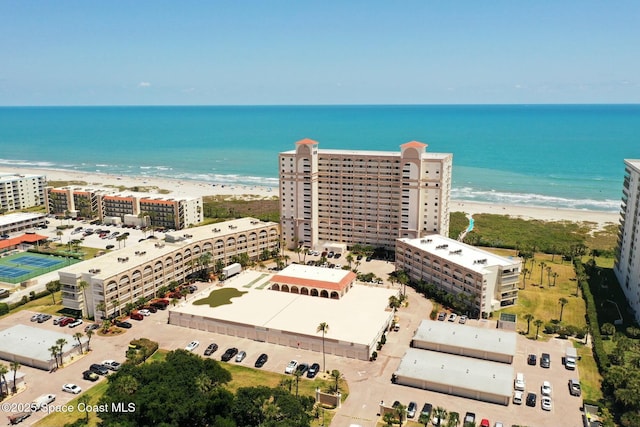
[313,370]
[545,402]
[150,308]
[517,397]
[545,390]
[42,401]
[453,317]
[75,323]
[229,354]
[210,349]
[57,320]
[485,423]
[302,368]
[291,367]
[531,399]
[71,388]
[99,369]
[426,410]
[111,364]
[136,316]
[469,417]
[90,375]
[192,345]
[91,327]
[411,409]
[18,417]
[531,360]
[545,360]
[262,359]
[462,319]
[574,387]
[442,316]
[241,355]
[144,312]
[66,321]
[121,324]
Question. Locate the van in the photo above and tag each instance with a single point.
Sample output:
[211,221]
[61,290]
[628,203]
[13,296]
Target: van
[519,383]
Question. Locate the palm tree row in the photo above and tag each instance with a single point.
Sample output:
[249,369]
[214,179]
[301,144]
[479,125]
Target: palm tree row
[537,322]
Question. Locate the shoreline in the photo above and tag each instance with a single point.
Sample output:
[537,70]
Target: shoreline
[256,192]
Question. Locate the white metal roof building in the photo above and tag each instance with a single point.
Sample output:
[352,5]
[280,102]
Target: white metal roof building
[458,375]
[30,346]
[362,197]
[466,340]
[21,221]
[491,281]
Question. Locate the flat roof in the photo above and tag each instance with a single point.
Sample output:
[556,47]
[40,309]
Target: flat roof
[367,153]
[357,317]
[111,263]
[496,341]
[311,276]
[458,371]
[33,343]
[15,176]
[12,218]
[108,192]
[459,253]
[634,163]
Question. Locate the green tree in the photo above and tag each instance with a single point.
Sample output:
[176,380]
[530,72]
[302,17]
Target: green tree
[89,334]
[542,266]
[563,301]
[102,308]
[78,336]
[608,329]
[61,342]
[297,374]
[453,420]
[388,418]
[424,419]
[3,371]
[324,328]
[52,288]
[524,278]
[528,317]
[83,285]
[53,350]
[84,399]
[115,303]
[401,413]
[538,323]
[349,259]
[15,365]
[440,414]
[335,375]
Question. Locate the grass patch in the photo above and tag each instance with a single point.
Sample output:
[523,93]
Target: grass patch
[66,183]
[159,356]
[227,207]
[42,305]
[219,297]
[590,378]
[62,418]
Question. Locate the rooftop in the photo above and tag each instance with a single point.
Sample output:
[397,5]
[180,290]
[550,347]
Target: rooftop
[16,176]
[315,277]
[457,371]
[466,336]
[32,343]
[12,218]
[459,253]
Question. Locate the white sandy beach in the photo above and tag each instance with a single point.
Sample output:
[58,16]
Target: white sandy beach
[179,187]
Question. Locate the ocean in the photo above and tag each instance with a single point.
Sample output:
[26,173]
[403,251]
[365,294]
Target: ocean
[565,156]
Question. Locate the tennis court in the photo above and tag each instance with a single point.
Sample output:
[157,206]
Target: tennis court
[24,266]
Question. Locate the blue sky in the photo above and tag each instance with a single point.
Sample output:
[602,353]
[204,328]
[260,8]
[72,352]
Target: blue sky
[318,52]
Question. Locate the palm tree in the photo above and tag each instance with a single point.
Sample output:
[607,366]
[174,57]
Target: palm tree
[440,413]
[89,334]
[528,317]
[424,419]
[52,287]
[77,336]
[3,371]
[394,302]
[115,303]
[401,412]
[349,259]
[555,276]
[84,399]
[549,276]
[102,307]
[335,375]
[205,260]
[83,285]
[61,342]
[538,323]
[453,420]
[297,374]
[53,350]
[324,328]
[15,365]
[563,301]
[388,418]
[542,266]
[524,278]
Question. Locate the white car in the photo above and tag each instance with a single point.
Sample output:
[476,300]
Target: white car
[546,403]
[76,323]
[192,345]
[71,388]
[517,397]
[291,367]
[144,312]
[42,401]
[111,364]
[545,390]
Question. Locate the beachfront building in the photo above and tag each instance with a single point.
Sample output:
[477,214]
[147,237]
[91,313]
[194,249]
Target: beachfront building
[627,264]
[362,197]
[130,208]
[18,191]
[488,281]
[21,221]
[131,273]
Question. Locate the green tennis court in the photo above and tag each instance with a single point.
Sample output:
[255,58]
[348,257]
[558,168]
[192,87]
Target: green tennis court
[24,266]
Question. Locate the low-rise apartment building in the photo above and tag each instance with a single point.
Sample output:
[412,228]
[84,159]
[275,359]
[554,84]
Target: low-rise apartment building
[21,222]
[18,191]
[491,281]
[128,274]
[362,197]
[128,208]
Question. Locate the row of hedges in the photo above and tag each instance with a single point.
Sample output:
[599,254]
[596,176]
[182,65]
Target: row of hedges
[601,356]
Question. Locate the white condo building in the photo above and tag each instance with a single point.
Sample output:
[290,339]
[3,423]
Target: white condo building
[362,197]
[627,265]
[491,281]
[19,191]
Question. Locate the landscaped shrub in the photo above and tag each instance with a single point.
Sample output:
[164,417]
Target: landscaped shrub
[600,355]
[4,308]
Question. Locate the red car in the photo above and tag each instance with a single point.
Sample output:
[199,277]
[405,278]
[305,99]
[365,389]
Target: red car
[136,316]
[66,321]
[485,423]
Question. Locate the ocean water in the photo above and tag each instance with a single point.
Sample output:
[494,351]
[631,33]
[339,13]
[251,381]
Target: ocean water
[568,156]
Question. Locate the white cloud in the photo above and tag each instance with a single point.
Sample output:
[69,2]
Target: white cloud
[144,84]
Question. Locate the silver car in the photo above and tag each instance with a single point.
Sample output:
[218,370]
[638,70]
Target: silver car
[240,357]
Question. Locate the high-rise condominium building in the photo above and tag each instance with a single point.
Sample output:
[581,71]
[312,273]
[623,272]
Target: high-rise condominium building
[362,197]
[627,265]
[21,191]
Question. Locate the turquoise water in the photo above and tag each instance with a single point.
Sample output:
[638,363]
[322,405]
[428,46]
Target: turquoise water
[544,155]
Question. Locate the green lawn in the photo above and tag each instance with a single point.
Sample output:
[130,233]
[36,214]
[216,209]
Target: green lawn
[62,418]
[219,297]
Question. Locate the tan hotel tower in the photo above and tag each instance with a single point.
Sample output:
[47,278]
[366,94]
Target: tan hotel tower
[362,197]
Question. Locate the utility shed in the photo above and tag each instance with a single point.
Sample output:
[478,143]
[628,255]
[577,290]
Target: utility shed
[465,340]
[457,375]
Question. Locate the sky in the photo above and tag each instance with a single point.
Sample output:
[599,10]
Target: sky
[271,52]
